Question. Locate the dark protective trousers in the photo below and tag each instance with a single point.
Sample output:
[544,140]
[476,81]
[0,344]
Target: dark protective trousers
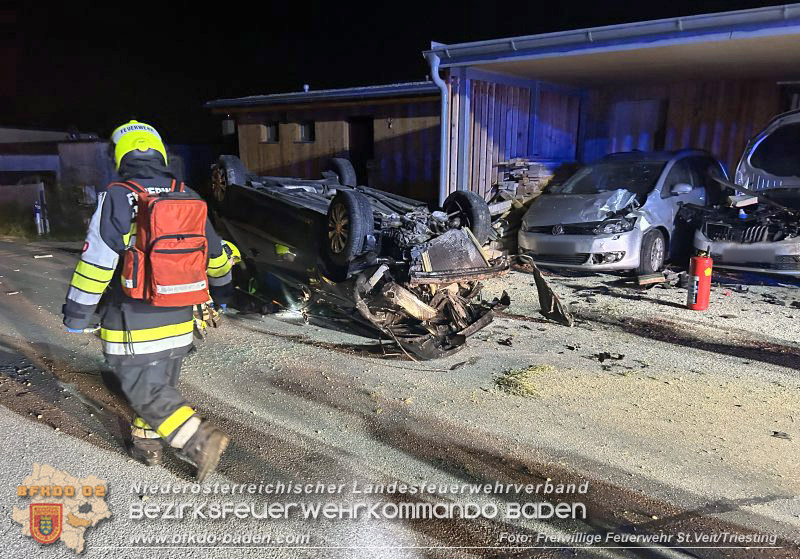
[151,391]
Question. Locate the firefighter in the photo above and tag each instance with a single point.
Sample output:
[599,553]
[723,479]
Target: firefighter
[144,344]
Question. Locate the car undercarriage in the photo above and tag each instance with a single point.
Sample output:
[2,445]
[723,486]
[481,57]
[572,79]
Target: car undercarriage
[355,253]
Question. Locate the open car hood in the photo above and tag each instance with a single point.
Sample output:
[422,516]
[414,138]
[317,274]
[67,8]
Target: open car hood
[769,161]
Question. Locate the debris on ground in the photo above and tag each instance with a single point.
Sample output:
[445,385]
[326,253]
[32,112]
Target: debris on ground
[471,361]
[505,342]
[651,279]
[551,307]
[781,435]
[773,300]
[43,256]
[521,382]
[607,356]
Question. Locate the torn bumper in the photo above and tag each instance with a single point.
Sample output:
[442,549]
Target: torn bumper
[430,321]
[771,257]
[586,252]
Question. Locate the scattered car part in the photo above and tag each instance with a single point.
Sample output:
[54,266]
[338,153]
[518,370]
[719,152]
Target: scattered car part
[549,303]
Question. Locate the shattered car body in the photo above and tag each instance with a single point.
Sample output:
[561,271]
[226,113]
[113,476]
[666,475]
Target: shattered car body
[360,254]
[759,231]
[619,213]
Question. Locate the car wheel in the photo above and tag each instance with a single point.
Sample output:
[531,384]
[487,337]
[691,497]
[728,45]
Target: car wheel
[344,170]
[228,170]
[349,222]
[473,212]
[652,253]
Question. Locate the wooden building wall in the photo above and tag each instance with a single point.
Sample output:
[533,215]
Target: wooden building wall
[506,119]
[406,142]
[496,118]
[719,116]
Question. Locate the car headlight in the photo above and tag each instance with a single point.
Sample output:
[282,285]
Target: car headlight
[611,226]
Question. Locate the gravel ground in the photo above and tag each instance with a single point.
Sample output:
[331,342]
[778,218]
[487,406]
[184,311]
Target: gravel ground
[671,415]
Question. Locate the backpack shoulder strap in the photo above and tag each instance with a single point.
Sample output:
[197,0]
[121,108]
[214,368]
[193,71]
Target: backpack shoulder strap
[130,185]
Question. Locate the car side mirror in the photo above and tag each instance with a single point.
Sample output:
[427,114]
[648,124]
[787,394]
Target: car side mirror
[681,188]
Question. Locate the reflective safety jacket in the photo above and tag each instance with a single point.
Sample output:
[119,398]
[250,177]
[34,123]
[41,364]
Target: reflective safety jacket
[133,331]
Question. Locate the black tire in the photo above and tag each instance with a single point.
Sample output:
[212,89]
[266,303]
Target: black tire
[348,223]
[473,211]
[344,170]
[652,253]
[228,170]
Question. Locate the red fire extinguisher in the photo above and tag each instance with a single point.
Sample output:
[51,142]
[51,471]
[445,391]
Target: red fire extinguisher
[699,283]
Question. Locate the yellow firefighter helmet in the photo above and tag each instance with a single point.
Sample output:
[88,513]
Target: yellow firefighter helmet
[136,136]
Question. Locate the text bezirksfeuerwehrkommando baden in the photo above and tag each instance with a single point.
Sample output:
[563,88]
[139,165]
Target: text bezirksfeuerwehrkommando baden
[420,510]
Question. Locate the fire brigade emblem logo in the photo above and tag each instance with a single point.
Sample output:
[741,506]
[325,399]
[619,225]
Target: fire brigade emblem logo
[61,507]
[45,522]
[558,230]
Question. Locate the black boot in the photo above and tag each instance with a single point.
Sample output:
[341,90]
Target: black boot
[145,450]
[204,449]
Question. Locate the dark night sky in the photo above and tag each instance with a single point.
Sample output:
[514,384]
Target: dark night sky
[95,66]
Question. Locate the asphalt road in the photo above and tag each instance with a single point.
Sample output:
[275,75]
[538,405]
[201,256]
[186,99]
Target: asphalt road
[674,429]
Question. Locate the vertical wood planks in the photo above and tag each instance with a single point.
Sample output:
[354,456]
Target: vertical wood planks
[499,126]
[718,116]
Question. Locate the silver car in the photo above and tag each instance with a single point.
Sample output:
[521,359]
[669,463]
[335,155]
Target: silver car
[620,213]
[765,236]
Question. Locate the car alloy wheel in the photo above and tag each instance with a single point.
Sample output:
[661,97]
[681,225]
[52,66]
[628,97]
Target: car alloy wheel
[219,182]
[657,253]
[338,228]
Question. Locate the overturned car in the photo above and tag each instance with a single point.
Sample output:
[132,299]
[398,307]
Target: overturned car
[360,254]
[758,228]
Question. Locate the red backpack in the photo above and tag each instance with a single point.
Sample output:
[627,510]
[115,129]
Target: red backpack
[166,267]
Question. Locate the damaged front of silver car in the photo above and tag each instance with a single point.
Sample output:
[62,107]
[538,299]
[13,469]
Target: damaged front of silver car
[618,213]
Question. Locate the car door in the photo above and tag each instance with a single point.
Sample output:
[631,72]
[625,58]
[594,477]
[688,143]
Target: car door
[683,171]
[708,170]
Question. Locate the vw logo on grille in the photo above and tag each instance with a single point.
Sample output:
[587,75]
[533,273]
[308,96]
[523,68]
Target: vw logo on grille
[558,230]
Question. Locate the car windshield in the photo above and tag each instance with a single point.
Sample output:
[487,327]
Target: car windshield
[638,177]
